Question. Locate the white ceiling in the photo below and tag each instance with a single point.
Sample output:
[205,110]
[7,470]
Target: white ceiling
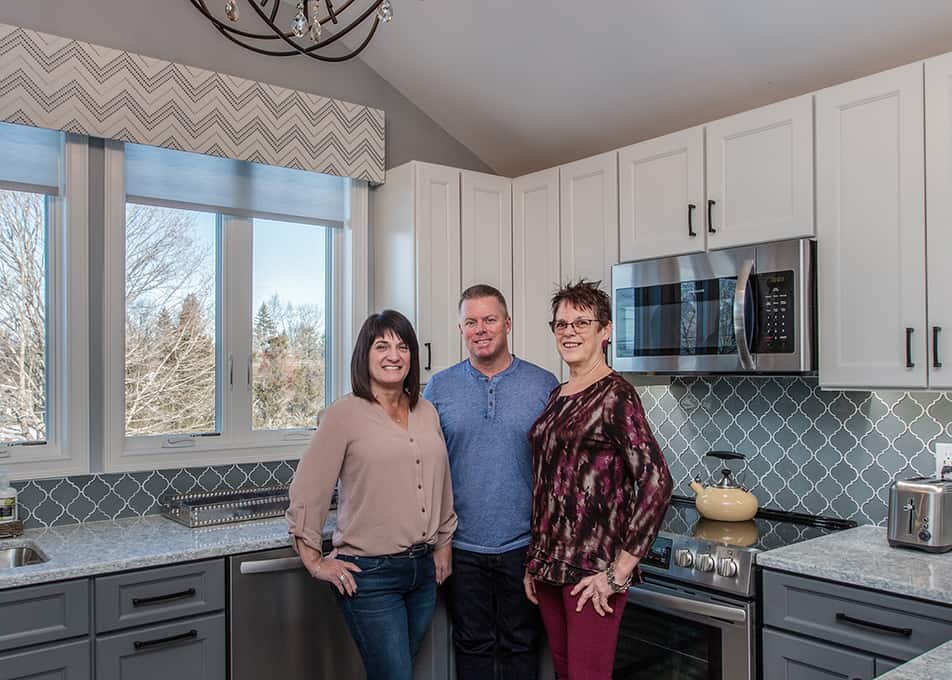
[529,84]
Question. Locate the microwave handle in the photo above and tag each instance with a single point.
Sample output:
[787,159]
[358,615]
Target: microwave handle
[740,316]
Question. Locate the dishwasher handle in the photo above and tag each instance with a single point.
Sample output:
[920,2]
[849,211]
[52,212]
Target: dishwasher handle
[270,566]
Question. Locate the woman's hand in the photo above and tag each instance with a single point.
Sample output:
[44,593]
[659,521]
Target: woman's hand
[443,561]
[334,571]
[596,589]
[529,584]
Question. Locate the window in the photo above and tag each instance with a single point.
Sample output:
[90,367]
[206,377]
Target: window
[225,303]
[43,325]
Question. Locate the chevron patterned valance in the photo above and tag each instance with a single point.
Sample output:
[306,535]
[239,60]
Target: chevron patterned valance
[62,84]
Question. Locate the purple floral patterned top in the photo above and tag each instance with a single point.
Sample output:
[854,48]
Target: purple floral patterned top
[600,482]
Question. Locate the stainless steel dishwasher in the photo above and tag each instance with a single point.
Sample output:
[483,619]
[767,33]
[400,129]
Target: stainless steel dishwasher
[284,624]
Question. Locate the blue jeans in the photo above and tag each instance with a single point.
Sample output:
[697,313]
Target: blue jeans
[390,613]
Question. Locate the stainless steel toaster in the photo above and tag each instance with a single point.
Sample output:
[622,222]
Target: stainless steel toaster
[920,514]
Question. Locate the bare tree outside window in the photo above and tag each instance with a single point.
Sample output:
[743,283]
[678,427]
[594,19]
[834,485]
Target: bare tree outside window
[170,321]
[23,222]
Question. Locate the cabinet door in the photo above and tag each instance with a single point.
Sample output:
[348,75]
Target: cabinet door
[193,649]
[535,266]
[437,217]
[871,231]
[760,175]
[788,657]
[64,661]
[939,217]
[486,203]
[589,218]
[661,196]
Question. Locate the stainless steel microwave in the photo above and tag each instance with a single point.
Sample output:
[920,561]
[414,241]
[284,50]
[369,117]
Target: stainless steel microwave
[741,310]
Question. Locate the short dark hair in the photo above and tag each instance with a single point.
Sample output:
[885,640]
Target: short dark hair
[377,326]
[584,294]
[482,290]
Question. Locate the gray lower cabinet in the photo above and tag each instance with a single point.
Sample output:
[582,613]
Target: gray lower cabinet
[815,629]
[62,661]
[193,649]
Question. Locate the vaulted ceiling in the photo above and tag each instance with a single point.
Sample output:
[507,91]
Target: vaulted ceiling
[529,84]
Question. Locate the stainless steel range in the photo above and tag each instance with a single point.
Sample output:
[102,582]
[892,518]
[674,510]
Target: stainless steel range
[695,615]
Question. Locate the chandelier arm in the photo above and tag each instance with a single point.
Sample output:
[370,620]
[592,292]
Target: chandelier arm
[259,50]
[341,33]
[338,10]
[357,50]
[331,14]
[221,26]
[274,8]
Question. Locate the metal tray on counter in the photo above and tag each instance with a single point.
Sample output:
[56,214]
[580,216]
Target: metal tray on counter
[208,508]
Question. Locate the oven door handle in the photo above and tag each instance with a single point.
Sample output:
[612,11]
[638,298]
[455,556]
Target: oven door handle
[740,315]
[655,600]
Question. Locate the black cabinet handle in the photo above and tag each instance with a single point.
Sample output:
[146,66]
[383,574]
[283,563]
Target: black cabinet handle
[935,347]
[148,644]
[691,231]
[909,363]
[903,632]
[710,216]
[429,356]
[144,601]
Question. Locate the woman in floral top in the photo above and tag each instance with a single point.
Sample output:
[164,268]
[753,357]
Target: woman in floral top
[600,490]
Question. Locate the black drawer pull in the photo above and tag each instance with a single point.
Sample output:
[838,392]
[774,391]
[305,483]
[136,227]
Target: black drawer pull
[844,618]
[148,644]
[710,216]
[691,231]
[429,356]
[145,601]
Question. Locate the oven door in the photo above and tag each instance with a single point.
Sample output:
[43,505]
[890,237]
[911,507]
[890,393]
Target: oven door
[670,632]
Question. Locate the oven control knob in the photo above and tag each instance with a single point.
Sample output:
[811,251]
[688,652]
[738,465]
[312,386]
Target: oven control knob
[705,562]
[684,558]
[727,567]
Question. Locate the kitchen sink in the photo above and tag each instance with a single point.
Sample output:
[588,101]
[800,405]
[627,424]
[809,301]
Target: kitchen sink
[21,556]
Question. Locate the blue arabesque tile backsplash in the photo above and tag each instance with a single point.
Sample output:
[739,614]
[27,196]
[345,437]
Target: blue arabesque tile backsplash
[831,453]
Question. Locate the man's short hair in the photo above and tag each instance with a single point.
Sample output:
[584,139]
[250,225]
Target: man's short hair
[483,290]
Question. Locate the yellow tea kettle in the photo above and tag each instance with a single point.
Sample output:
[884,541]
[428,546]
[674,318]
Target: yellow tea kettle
[725,499]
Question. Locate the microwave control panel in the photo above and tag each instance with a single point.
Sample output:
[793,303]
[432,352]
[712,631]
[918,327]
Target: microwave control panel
[775,313]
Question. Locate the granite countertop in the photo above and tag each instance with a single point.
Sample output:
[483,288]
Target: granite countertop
[933,665]
[78,550]
[862,557]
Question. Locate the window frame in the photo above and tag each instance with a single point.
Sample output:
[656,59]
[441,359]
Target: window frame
[238,442]
[66,450]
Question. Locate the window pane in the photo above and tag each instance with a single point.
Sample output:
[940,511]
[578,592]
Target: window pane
[170,321]
[22,316]
[289,330]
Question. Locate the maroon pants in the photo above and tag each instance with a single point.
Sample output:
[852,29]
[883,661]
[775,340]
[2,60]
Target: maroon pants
[582,643]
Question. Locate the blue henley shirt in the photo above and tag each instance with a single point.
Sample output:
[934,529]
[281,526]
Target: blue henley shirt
[486,425]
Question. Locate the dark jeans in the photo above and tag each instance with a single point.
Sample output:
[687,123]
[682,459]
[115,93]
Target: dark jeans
[390,613]
[496,629]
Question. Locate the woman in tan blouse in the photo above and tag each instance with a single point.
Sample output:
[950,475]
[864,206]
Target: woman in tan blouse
[395,515]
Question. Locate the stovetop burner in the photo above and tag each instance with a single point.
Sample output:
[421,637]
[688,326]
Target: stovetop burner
[768,530]
[721,555]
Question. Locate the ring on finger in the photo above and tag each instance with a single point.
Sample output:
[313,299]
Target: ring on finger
[342,577]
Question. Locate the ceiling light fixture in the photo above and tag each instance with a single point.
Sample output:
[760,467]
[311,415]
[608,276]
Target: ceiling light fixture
[305,29]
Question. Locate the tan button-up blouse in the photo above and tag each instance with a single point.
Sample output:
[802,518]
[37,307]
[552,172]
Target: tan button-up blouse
[395,487]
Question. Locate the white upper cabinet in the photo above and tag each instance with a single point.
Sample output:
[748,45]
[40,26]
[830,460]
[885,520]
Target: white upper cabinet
[535,266]
[486,204]
[661,196]
[939,217]
[589,218]
[871,231]
[760,175]
[416,242]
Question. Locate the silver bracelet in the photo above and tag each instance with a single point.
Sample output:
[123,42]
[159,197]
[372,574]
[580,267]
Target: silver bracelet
[617,587]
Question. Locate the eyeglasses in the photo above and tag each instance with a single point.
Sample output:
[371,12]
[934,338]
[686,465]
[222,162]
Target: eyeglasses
[579,325]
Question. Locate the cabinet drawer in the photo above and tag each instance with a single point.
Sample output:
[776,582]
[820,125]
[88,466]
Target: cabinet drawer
[883,624]
[788,657]
[65,661]
[184,650]
[36,614]
[151,595]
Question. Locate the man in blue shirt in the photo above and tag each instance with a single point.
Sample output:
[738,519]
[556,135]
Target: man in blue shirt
[487,403]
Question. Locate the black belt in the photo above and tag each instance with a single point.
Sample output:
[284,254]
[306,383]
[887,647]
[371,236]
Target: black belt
[414,552]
